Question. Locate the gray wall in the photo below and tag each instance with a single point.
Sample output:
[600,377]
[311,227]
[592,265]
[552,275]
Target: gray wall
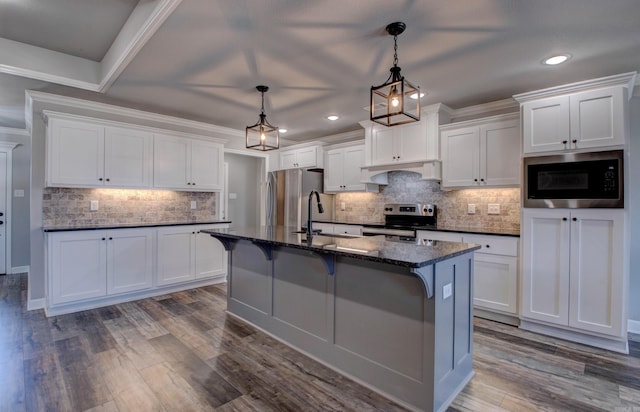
[19,205]
[633,168]
[244,181]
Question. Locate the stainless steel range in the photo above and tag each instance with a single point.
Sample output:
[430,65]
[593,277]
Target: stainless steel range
[402,220]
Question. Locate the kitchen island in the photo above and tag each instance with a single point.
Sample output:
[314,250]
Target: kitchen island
[395,317]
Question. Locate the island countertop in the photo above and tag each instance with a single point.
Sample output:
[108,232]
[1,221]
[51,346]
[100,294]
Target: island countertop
[371,248]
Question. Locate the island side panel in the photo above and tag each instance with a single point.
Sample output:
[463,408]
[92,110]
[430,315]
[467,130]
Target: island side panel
[249,288]
[454,328]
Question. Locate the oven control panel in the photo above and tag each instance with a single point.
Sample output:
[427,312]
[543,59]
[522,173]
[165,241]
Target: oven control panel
[410,209]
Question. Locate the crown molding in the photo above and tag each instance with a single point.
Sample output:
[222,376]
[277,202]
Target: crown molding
[37,63]
[42,97]
[508,104]
[624,79]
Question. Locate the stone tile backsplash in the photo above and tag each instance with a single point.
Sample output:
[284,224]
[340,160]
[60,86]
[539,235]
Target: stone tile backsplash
[406,187]
[63,206]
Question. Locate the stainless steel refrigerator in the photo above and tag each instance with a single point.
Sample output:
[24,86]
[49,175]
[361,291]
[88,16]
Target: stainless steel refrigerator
[288,194]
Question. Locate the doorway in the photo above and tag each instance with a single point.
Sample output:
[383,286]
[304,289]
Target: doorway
[242,196]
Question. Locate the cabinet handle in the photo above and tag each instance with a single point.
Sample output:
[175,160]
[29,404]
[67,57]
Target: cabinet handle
[475,180]
[110,238]
[482,180]
[193,233]
[108,180]
[564,142]
[564,219]
[193,184]
[575,219]
[575,140]
[488,246]
[104,238]
[100,179]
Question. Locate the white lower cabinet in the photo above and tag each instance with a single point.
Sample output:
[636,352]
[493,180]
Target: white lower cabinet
[185,254]
[338,228]
[495,271]
[91,268]
[574,274]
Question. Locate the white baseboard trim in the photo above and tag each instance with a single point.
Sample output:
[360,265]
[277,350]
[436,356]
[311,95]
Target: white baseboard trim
[34,304]
[633,326]
[19,269]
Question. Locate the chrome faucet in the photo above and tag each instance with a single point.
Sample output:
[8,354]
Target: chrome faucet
[320,209]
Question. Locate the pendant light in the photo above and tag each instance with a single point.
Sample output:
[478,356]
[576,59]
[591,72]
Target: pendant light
[262,135]
[396,101]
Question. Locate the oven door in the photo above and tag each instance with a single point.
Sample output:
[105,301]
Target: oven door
[578,180]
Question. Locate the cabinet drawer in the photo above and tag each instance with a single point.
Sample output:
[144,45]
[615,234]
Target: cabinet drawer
[496,245]
[435,235]
[347,229]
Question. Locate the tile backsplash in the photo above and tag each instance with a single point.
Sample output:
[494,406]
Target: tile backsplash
[407,187]
[62,206]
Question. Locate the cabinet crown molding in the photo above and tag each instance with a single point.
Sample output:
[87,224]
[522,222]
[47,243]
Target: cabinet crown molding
[481,121]
[626,80]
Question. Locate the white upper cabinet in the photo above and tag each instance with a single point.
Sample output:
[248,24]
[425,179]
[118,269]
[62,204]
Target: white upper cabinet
[481,153]
[86,153]
[402,144]
[585,115]
[304,157]
[342,170]
[182,163]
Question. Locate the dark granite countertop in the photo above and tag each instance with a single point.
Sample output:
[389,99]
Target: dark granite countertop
[67,228]
[371,248]
[441,228]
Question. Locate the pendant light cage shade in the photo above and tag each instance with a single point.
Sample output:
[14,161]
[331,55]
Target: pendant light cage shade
[262,135]
[397,100]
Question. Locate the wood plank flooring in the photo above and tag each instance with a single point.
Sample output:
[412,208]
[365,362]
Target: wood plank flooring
[181,352]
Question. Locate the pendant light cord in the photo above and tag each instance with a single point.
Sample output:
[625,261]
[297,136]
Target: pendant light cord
[395,50]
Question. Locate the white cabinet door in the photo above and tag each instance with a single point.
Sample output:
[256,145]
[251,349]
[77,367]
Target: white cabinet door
[411,142]
[288,160]
[383,150]
[76,266]
[334,171]
[128,157]
[207,162]
[499,163]
[545,125]
[75,154]
[352,162]
[176,255]
[306,157]
[597,118]
[460,157]
[210,256]
[545,265]
[129,260]
[495,282]
[171,162]
[596,293]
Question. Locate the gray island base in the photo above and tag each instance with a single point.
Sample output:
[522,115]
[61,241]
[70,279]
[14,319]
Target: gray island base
[393,316]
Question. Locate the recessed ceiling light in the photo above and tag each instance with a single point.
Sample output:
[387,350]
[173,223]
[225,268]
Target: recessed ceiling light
[283,130]
[414,96]
[553,60]
[333,117]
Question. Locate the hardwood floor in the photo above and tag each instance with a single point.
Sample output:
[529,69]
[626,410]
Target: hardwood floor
[181,352]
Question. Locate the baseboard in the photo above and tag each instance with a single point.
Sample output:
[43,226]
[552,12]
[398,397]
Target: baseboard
[19,269]
[633,326]
[34,304]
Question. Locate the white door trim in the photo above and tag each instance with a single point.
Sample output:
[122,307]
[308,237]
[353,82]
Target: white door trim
[7,147]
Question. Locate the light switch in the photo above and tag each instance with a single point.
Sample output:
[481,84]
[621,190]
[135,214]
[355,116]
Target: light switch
[494,209]
[194,205]
[446,291]
[471,209]
[94,205]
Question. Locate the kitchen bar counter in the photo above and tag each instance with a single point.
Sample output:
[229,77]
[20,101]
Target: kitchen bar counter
[397,317]
[67,228]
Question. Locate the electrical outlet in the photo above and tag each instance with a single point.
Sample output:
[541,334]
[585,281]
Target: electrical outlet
[493,209]
[18,193]
[343,206]
[194,204]
[471,209]
[94,205]
[446,291]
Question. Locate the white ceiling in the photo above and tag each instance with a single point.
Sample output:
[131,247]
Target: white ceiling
[201,59]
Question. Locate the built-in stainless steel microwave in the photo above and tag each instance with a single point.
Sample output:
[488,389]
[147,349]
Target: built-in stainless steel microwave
[574,180]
